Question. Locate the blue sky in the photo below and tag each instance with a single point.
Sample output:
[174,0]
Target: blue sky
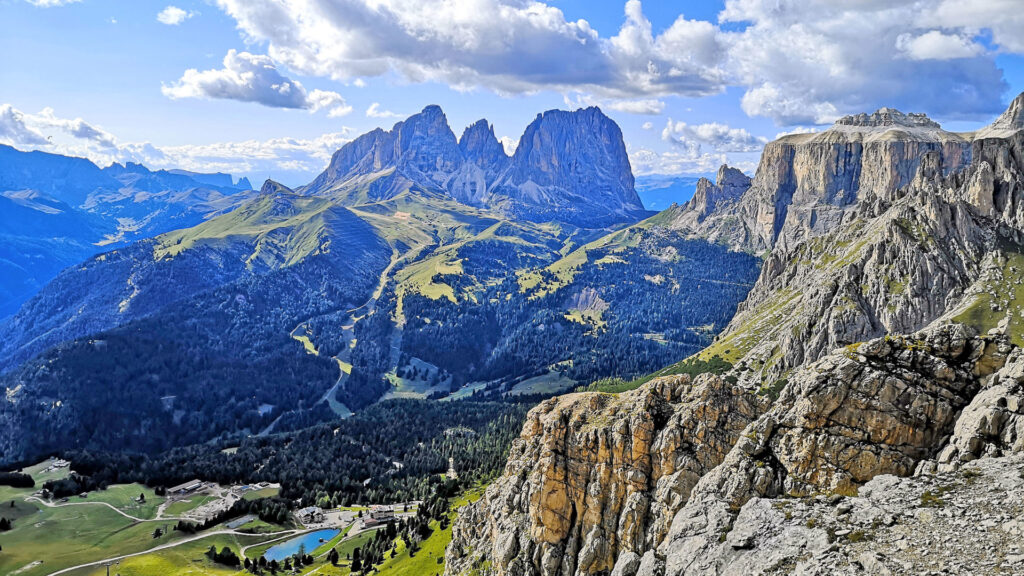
[272,87]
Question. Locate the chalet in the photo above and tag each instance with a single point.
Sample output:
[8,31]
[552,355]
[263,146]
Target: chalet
[378,516]
[310,515]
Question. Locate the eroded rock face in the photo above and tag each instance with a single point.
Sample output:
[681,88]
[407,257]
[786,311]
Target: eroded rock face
[728,187]
[595,479]
[877,408]
[809,184]
[569,167]
[993,424]
[913,231]
[572,165]
[967,522]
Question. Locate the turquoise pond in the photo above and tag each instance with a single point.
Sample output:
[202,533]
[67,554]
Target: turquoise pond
[311,541]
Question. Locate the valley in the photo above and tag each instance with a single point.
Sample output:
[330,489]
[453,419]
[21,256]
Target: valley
[640,398]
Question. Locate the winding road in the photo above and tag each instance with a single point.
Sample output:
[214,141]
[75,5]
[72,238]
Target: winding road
[185,540]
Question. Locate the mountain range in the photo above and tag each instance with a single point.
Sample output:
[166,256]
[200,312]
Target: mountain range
[56,211]
[873,371]
[416,265]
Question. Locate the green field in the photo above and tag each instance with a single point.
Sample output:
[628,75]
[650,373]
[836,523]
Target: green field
[426,561]
[551,383]
[187,505]
[65,536]
[46,539]
[123,497]
[186,559]
[261,493]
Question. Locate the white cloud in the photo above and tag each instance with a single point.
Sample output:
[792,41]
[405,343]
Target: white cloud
[14,130]
[798,130]
[810,61]
[935,45]
[75,137]
[1003,18]
[648,107]
[648,125]
[643,106]
[506,46]
[509,144]
[645,161]
[172,16]
[796,61]
[374,111]
[254,78]
[51,3]
[719,136]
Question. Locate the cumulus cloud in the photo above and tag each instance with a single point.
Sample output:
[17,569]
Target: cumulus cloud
[719,136]
[1002,18]
[796,61]
[14,130]
[809,61]
[681,161]
[254,78]
[506,46]
[648,107]
[374,111]
[300,158]
[172,16]
[648,125]
[934,45]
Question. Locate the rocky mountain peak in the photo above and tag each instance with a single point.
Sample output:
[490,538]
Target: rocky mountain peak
[573,166]
[886,117]
[733,178]
[270,187]
[1007,123]
[729,186]
[480,146]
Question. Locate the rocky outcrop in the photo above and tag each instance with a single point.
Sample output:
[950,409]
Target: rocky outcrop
[967,522]
[878,408]
[485,159]
[885,321]
[993,424]
[728,187]
[419,151]
[594,480]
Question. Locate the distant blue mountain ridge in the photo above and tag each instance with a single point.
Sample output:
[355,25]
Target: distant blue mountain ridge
[56,211]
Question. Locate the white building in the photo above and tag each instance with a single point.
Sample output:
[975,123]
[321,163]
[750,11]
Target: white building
[310,515]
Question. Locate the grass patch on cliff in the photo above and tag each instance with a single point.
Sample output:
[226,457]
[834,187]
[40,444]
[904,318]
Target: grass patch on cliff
[998,296]
[693,366]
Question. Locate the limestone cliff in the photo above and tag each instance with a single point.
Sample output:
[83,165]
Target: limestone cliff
[810,184]
[886,322]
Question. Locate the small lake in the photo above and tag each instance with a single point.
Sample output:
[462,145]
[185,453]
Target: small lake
[311,541]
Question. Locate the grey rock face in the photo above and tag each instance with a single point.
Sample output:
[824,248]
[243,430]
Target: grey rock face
[594,480]
[890,336]
[993,424]
[877,408]
[728,187]
[485,159]
[572,165]
[569,167]
[421,150]
[809,184]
